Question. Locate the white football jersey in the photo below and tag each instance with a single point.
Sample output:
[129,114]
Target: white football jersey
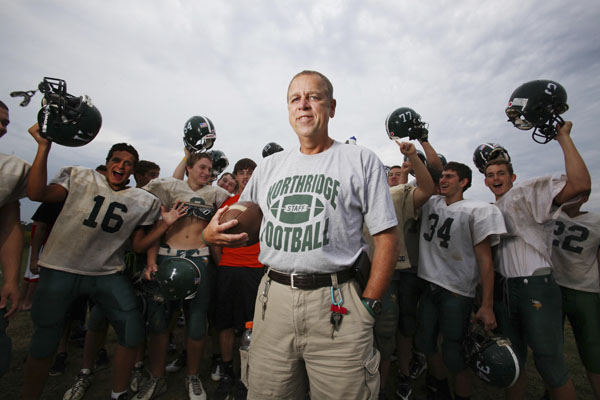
[93,228]
[448,234]
[575,251]
[529,220]
[13,175]
[201,203]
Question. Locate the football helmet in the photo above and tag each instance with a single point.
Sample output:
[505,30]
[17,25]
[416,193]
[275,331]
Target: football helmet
[491,357]
[198,134]
[405,122]
[487,152]
[64,119]
[219,162]
[178,278]
[538,104]
[271,148]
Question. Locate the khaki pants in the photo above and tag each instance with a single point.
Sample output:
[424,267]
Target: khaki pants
[293,350]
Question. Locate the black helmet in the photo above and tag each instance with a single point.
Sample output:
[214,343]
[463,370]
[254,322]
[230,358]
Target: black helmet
[198,134]
[487,152]
[271,148]
[538,104]
[66,119]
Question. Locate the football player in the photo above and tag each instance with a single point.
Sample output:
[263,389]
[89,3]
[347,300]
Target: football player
[454,255]
[227,181]
[184,239]
[402,293]
[531,315]
[85,255]
[145,171]
[97,322]
[575,254]
[13,172]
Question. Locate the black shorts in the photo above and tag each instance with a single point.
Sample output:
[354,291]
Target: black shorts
[235,297]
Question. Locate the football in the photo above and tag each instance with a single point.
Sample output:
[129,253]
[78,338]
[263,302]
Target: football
[249,217]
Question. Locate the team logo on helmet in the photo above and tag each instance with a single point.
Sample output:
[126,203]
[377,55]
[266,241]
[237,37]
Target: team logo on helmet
[538,105]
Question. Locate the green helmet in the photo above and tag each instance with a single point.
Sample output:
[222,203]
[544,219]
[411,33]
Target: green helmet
[178,278]
[406,122]
[491,357]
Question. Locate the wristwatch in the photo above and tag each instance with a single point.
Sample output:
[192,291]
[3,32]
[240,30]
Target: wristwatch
[374,306]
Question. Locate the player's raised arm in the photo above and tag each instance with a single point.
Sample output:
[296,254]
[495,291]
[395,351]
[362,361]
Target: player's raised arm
[578,176]
[425,186]
[179,172]
[37,183]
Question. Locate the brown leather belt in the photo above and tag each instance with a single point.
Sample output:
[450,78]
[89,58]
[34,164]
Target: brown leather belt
[309,281]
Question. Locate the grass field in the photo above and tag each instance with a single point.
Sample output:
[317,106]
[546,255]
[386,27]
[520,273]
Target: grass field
[20,329]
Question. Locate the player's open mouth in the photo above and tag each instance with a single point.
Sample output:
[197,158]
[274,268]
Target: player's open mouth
[118,175]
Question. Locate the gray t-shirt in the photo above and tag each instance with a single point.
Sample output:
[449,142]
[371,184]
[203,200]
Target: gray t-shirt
[314,207]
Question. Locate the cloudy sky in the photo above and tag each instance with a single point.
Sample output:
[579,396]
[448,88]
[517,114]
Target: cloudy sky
[149,66]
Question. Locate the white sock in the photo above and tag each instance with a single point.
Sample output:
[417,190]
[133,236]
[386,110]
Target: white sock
[115,396]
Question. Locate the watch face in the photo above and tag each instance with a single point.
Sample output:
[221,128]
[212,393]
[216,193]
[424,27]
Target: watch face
[376,306]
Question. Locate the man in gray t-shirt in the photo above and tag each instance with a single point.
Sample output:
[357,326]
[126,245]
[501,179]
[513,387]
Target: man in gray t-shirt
[311,318]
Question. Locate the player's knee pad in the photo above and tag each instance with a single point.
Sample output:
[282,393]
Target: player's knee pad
[552,368]
[196,326]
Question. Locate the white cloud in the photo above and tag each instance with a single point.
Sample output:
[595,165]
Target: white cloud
[149,66]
